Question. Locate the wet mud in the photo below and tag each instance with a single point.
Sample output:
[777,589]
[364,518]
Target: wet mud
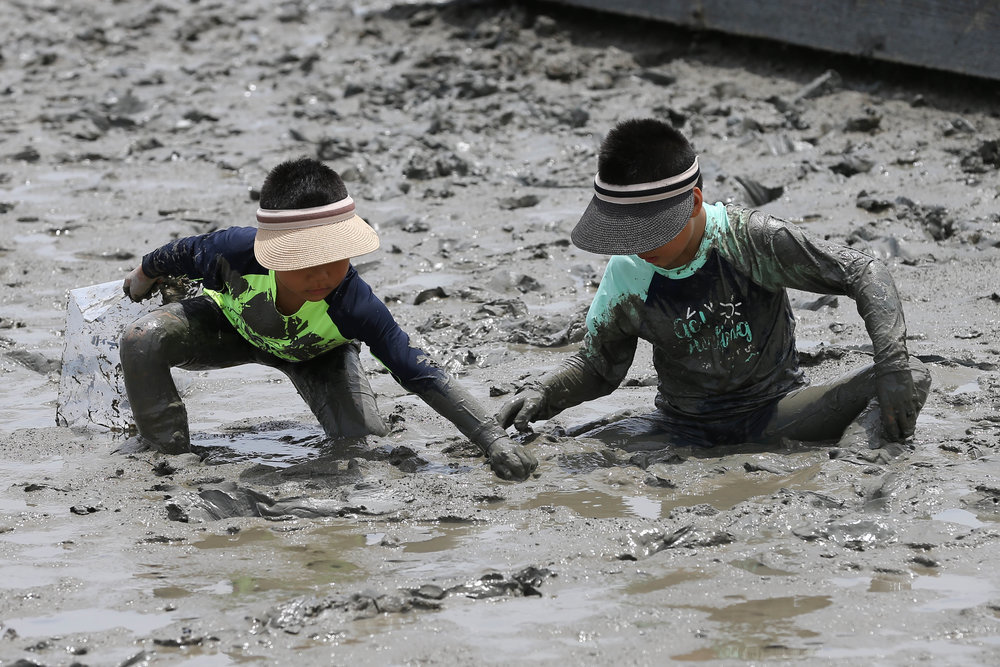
[468,133]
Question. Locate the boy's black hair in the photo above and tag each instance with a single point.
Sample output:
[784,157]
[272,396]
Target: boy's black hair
[642,150]
[301,183]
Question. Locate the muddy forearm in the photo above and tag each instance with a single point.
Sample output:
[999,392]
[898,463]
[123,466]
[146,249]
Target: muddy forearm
[879,305]
[574,382]
[792,258]
[459,407]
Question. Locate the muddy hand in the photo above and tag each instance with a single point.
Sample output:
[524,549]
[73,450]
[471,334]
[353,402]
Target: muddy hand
[138,285]
[510,460]
[898,404]
[521,410]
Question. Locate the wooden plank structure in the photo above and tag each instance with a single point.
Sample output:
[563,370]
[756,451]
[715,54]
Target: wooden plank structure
[960,36]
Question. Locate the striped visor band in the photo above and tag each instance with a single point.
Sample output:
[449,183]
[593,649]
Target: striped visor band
[644,193]
[276,220]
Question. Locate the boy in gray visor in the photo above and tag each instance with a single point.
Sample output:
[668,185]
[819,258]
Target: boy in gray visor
[706,285]
[285,295]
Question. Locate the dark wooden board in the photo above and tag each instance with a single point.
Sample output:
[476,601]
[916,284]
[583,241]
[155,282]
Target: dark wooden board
[961,36]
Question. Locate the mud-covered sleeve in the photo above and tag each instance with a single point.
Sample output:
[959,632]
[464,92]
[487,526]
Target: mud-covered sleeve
[600,366]
[777,254]
[373,324]
[197,257]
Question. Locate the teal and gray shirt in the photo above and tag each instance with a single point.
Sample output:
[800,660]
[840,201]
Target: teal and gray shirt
[721,327]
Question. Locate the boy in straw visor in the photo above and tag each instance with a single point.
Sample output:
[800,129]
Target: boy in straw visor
[285,295]
[706,285]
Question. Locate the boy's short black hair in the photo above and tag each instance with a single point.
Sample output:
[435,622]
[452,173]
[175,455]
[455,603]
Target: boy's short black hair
[643,150]
[302,183]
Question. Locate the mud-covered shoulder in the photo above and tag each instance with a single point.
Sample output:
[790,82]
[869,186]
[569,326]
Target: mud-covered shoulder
[620,296]
[754,225]
[779,253]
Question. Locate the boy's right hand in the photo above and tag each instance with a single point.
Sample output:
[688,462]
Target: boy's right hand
[138,285]
[522,409]
[510,460]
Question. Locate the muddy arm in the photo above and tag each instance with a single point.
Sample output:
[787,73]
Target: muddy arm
[595,371]
[508,459]
[458,406]
[781,254]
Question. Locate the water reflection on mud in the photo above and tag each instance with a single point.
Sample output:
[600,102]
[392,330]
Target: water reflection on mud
[758,629]
[276,447]
[87,620]
[585,502]
[736,487]
[443,537]
[949,591]
[656,502]
[673,578]
[316,557]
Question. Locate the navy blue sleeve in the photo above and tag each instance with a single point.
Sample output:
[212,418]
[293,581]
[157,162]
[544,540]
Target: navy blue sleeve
[357,312]
[197,257]
[361,315]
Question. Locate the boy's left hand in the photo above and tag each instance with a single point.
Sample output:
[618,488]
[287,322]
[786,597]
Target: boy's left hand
[510,460]
[898,404]
[137,285]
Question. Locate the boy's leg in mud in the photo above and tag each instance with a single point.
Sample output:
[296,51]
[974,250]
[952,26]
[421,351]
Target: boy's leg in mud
[191,334]
[650,437]
[825,411]
[335,387]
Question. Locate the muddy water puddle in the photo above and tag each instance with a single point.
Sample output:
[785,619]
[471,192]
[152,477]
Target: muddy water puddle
[943,590]
[317,557]
[758,629]
[726,492]
[959,516]
[955,380]
[441,537]
[93,619]
[450,550]
[674,578]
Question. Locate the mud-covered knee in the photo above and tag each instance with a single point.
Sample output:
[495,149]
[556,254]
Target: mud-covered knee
[131,341]
[144,337]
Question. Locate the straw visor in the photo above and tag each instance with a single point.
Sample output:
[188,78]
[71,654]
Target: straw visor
[631,219]
[288,240]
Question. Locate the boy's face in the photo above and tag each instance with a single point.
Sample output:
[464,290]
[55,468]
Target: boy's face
[681,249]
[313,283]
[670,255]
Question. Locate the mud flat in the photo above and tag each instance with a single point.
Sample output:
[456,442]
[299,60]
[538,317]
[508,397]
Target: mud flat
[468,133]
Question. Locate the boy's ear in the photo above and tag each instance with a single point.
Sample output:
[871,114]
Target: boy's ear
[698,200]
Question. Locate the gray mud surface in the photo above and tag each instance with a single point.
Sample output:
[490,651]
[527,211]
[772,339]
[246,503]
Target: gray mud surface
[468,135]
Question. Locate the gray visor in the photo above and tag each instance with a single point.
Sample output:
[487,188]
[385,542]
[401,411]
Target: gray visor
[629,229]
[634,218]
